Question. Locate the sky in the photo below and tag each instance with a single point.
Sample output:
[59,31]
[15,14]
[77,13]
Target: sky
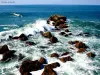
[57,2]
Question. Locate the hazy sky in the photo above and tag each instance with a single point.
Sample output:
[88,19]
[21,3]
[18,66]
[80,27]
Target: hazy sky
[77,2]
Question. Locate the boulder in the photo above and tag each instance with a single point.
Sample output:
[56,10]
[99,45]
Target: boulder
[66,53]
[63,26]
[30,43]
[27,73]
[23,37]
[46,34]
[58,22]
[64,59]
[3,49]
[28,66]
[53,65]
[71,42]
[70,34]
[90,54]
[66,35]
[67,30]
[43,60]
[53,39]
[54,55]
[7,55]
[80,45]
[15,38]
[62,33]
[81,50]
[20,57]
[48,71]
[57,17]
[54,18]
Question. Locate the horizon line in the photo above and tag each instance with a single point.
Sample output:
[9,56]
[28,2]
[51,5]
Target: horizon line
[52,4]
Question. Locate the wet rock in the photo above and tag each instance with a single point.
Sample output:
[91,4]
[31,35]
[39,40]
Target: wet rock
[84,34]
[3,49]
[27,73]
[71,42]
[7,55]
[58,22]
[20,57]
[66,35]
[70,34]
[53,39]
[43,60]
[81,50]
[28,66]
[53,65]
[48,71]
[64,59]
[15,38]
[90,54]
[66,53]
[57,17]
[54,55]
[62,33]
[23,37]
[30,43]
[80,45]
[63,26]
[43,47]
[67,30]
[47,34]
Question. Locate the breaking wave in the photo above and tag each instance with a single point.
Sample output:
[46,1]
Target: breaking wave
[81,66]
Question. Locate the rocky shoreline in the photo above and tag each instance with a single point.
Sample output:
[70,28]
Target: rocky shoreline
[60,24]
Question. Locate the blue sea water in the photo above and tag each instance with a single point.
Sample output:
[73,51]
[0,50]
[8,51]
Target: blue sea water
[30,13]
[80,18]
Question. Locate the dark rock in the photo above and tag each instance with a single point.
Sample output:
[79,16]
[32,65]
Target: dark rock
[67,30]
[3,49]
[54,55]
[58,22]
[27,73]
[15,38]
[28,66]
[66,53]
[10,37]
[20,57]
[30,43]
[70,34]
[48,71]
[66,35]
[7,55]
[62,33]
[64,59]
[47,34]
[23,37]
[84,34]
[43,47]
[80,45]
[71,42]
[43,60]
[53,39]
[53,65]
[63,26]
[81,50]
[90,54]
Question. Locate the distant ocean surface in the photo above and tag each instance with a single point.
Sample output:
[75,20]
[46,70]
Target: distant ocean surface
[80,18]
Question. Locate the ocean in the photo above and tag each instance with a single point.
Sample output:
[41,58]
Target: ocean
[17,19]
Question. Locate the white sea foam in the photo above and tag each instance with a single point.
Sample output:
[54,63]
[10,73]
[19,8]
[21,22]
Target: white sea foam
[17,15]
[81,66]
